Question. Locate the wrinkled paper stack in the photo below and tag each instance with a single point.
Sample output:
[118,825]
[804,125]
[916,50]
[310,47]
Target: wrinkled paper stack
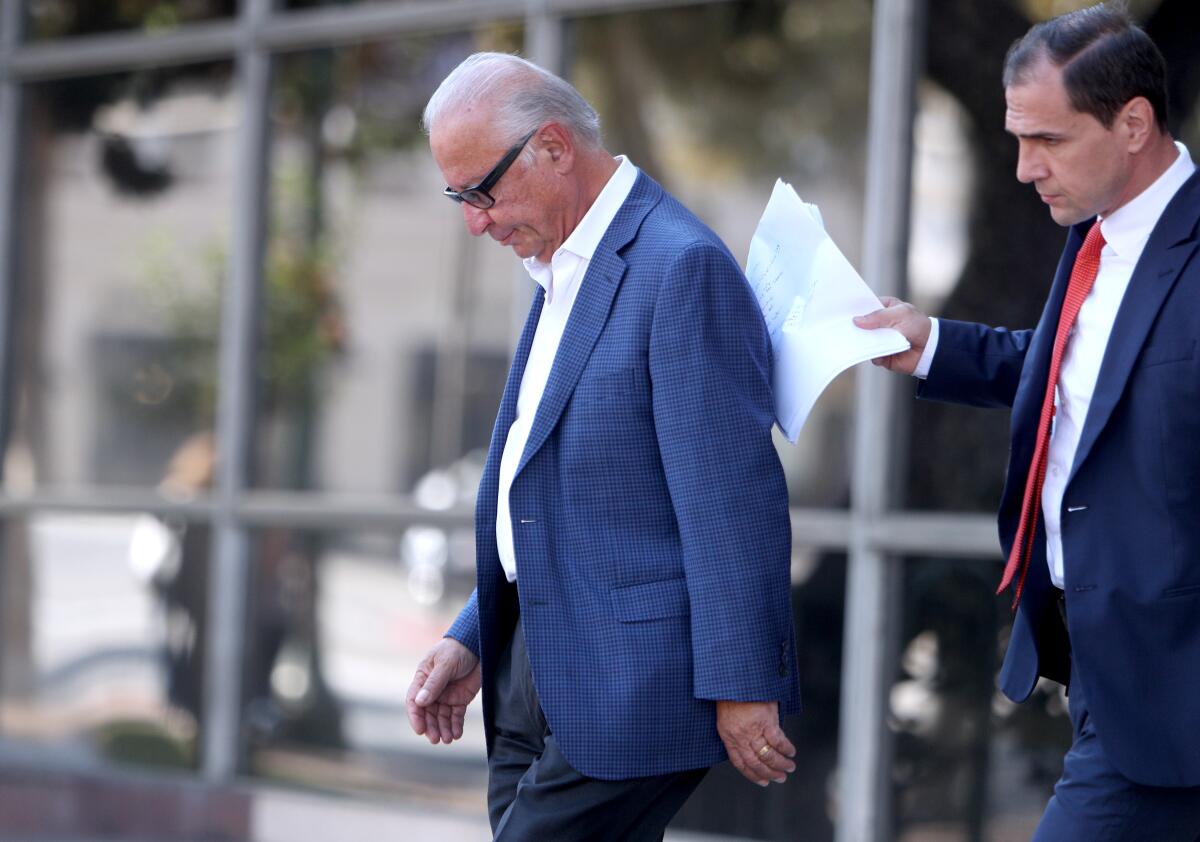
[809,293]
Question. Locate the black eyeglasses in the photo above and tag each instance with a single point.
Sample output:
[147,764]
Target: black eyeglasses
[478,196]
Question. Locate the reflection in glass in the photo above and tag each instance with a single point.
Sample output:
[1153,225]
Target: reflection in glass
[958,454]
[58,18]
[716,102]
[125,211]
[387,328]
[969,763]
[99,644]
[338,624]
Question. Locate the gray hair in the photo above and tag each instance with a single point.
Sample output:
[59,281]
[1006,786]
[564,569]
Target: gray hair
[524,96]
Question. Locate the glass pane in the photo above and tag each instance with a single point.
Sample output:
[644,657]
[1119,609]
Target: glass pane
[725,803]
[60,18]
[388,328]
[125,213]
[99,657]
[718,101]
[959,454]
[969,763]
[338,623]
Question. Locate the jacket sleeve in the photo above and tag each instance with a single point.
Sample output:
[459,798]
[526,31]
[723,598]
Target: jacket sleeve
[465,628]
[710,369]
[975,364]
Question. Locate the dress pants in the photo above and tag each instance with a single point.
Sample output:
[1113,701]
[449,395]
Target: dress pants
[1093,802]
[534,794]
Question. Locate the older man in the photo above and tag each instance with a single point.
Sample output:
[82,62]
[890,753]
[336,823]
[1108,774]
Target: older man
[1100,519]
[631,624]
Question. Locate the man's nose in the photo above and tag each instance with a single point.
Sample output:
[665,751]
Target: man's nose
[1030,166]
[477,220]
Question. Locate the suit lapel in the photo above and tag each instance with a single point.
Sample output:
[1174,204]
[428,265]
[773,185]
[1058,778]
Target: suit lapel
[1027,404]
[589,313]
[1168,250]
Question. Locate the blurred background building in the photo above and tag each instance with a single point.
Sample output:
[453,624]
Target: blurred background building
[250,360]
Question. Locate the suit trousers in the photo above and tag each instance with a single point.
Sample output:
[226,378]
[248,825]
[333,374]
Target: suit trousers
[534,794]
[1093,802]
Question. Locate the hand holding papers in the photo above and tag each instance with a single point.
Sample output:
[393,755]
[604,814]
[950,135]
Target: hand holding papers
[809,293]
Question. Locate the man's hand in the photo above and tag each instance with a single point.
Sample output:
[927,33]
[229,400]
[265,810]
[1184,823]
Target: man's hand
[907,319]
[756,744]
[446,682]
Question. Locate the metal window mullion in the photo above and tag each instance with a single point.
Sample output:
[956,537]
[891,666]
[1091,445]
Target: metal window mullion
[229,564]
[107,500]
[11,19]
[873,578]
[955,534]
[16,672]
[295,30]
[108,53]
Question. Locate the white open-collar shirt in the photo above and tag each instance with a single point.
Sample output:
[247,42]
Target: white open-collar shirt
[560,279]
[1126,232]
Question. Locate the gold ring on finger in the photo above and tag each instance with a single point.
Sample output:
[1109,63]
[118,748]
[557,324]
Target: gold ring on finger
[763,752]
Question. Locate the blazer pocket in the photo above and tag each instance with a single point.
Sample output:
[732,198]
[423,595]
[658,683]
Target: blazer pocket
[613,384]
[1162,354]
[1185,590]
[650,601]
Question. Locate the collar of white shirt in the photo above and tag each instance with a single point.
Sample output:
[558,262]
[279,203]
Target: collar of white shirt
[1127,229]
[581,244]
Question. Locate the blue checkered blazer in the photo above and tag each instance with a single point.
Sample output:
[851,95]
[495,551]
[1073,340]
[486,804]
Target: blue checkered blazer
[649,509]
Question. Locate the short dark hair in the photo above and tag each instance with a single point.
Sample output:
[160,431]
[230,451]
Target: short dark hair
[1106,60]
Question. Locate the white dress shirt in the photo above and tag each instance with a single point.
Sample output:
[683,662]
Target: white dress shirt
[1126,231]
[560,279]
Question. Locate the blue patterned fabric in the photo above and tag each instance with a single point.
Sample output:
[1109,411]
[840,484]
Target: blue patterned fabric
[649,511]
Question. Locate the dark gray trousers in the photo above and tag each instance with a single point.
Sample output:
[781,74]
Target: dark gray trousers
[534,794]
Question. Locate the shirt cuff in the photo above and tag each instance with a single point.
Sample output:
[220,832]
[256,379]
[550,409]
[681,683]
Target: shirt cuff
[926,361]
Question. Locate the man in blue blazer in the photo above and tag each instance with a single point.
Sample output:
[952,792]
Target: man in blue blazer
[1100,516]
[631,624]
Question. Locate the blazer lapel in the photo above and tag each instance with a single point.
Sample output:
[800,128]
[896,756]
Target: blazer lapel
[1027,404]
[589,313]
[1170,246]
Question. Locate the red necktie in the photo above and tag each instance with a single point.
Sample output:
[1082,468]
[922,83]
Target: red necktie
[1083,275]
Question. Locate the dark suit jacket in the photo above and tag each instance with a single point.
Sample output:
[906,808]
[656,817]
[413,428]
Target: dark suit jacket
[649,509]
[1131,511]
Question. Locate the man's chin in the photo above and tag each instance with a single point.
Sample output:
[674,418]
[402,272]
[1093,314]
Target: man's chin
[1066,217]
[524,250]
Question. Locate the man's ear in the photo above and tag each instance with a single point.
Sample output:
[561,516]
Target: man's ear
[1137,124]
[557,142]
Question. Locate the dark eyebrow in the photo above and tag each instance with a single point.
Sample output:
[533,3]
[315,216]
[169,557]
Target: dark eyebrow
[1036,135]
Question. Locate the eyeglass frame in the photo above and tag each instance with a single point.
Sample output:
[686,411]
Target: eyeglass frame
[480,190]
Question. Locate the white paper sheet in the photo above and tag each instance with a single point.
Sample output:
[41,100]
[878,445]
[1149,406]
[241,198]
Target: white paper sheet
[809,293]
